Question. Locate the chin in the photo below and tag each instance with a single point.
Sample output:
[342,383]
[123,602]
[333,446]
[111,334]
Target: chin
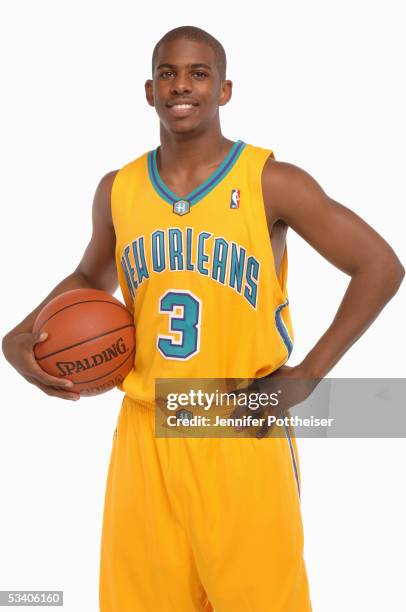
[182,127]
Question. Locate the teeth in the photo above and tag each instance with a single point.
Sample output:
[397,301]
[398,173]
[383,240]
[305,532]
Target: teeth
[182,106]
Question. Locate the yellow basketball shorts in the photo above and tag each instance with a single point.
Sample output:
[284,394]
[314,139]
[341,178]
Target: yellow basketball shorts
[200,524]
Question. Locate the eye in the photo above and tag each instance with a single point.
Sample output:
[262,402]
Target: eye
[165,73]
[200,73]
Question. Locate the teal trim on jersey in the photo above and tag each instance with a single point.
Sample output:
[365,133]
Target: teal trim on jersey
[282,329]
[205,188]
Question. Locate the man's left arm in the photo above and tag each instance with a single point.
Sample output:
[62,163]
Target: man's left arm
[346,241]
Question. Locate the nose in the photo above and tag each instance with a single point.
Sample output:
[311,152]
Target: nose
[181,83]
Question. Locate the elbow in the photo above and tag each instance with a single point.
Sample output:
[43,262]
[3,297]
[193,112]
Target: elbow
[4,345]
[394,273]
[385,272]
[401,275]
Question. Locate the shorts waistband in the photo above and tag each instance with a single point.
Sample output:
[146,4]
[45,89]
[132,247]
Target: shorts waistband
[182,410]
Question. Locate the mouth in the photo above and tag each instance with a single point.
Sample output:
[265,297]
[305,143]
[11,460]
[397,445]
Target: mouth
[181,109]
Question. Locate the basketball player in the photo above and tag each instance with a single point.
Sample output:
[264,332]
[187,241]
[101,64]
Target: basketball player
[194,232]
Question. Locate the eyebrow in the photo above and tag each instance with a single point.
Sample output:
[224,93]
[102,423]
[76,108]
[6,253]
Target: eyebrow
[200,65]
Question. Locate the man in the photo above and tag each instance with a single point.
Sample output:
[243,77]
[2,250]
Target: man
[194,232]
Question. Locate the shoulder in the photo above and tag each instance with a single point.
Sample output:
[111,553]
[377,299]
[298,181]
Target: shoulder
[103,190]
[286,186]
[279,174]
[102,198]
[106,182]
[133,165]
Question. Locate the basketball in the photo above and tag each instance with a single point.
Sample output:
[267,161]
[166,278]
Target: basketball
[91,340]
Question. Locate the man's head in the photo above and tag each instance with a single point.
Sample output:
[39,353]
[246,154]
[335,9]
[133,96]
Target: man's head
[188,80]
[196,35]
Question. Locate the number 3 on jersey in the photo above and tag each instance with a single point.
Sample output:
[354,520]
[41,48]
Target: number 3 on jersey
[185,311]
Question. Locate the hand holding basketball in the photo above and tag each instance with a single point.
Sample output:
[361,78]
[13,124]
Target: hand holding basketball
[19,351]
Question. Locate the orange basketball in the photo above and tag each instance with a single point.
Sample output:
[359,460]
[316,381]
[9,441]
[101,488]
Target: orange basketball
[91,340]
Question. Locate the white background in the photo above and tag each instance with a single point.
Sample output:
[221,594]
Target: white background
[320,83]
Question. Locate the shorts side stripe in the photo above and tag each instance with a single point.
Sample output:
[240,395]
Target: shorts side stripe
[292,454]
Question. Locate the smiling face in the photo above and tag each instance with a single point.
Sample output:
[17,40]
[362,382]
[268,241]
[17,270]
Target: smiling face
[186,89]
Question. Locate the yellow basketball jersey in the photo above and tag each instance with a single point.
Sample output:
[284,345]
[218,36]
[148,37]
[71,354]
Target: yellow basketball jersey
[198,273]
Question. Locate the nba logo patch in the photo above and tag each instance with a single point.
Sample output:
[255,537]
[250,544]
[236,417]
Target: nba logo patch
[181,207]
[235,198]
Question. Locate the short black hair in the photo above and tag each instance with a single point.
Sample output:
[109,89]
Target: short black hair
[197,35]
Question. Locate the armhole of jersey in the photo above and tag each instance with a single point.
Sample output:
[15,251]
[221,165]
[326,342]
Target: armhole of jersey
[121,179]
[283,269]
[122,283]
[279,279]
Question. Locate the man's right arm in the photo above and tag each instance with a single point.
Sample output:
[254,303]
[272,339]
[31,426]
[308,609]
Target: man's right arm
[96,270]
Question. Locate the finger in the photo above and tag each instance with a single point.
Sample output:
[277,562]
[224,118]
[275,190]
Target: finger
[238,413]
[39,337]
[54,392]
[244,409]
[255,413]
[263,431]
[47,379]
[51,390]
[40,374]
[265,428]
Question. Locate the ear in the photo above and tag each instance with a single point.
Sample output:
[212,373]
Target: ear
[149,92]
[226,91]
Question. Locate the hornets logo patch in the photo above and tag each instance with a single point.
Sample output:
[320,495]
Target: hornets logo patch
[181,207]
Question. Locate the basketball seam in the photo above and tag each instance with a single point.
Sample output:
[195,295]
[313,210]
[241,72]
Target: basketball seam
[82,302]
[66,348]
[84,382]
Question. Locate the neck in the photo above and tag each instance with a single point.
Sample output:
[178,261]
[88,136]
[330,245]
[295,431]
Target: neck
[191,150]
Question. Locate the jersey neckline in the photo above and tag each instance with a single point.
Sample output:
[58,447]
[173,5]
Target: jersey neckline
[202,190]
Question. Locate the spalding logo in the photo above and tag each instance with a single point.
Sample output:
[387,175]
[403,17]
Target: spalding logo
[67,368]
